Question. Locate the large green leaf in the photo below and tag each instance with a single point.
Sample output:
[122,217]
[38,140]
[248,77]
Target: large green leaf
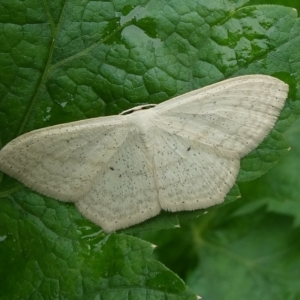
[284,182]
[259,261]
[49,252]
[62,61]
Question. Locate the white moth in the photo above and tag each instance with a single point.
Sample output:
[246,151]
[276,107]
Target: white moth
[183,154]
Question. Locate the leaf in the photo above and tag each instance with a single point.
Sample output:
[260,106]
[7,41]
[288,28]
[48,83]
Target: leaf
[262,258]
[282,196]
[53,253]
[64,61]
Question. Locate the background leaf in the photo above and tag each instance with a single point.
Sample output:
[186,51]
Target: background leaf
[64,61]
[52,253]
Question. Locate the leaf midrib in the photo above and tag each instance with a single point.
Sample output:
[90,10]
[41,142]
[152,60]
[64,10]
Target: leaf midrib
[51,68]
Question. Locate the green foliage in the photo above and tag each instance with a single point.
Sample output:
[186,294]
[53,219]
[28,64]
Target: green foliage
[49,251]
[64,61]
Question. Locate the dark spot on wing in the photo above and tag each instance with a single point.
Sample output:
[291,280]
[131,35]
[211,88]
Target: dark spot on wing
[189,148]
[112,168]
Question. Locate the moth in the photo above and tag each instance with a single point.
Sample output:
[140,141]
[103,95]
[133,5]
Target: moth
[182,154]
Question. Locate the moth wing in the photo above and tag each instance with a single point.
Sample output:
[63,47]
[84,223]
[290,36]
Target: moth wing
[100,164]
[201,136]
